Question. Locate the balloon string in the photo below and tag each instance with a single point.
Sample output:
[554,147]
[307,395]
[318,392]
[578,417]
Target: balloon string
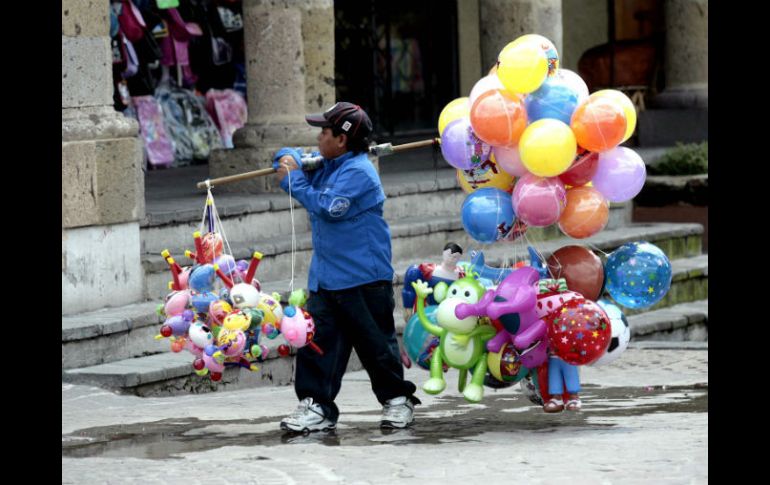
[293,235]
[226,243]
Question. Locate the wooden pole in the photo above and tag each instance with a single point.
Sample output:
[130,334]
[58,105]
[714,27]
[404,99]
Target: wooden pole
[381,150]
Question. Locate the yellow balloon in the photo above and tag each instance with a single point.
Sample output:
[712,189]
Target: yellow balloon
[628,108]
[454,110]
[493,363]
[522,67]
[546,45]
[487,174]
[547,147]
[271,308]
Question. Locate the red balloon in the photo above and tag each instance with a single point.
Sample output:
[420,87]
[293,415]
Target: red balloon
[198,364]
[579,332]
[216,376]
[283,350]
[582,269]
[582,170]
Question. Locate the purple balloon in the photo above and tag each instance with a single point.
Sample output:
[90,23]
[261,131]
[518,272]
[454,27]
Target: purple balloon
[620,175]
[226,263]
[461,147]
[539,201]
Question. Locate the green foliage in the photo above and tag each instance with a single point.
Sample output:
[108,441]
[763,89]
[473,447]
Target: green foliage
[690,159]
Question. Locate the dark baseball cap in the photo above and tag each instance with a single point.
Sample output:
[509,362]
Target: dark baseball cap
[345,117]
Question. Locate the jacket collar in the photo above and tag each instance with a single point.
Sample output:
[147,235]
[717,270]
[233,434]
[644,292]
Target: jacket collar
[335,163]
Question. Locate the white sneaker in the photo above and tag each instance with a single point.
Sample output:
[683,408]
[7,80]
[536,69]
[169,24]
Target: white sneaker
[307,417]
[397,413]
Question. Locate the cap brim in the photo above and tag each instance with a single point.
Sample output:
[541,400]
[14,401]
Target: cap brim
[317,120]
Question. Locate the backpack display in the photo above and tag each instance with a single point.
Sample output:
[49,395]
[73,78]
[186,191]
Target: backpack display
[190,125]
[229,111]
[157,144]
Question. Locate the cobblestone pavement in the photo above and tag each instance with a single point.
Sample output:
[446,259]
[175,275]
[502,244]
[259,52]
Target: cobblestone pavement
[644,420]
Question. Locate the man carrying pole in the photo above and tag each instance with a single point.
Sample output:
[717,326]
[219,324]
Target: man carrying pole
[350,276]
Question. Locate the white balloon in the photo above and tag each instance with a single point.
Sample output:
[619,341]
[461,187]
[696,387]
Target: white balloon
[573,80]
[621,333]
[486,83]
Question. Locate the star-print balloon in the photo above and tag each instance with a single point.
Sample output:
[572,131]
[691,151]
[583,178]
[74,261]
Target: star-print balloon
[637,274]
[579,332]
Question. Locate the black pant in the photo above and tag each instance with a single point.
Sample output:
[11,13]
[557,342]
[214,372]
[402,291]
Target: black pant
[360,318]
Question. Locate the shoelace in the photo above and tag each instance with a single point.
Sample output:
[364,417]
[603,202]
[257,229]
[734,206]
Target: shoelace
[393,408]
[302,408]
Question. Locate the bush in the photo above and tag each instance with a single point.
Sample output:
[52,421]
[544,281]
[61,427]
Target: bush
[690,159]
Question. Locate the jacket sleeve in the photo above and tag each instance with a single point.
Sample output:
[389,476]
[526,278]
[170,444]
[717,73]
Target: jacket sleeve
[352,193]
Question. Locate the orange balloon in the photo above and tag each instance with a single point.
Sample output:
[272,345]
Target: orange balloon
[587,212]
[599,123]
[498,118]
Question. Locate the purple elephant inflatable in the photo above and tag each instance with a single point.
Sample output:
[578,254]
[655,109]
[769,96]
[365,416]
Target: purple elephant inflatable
[514,304]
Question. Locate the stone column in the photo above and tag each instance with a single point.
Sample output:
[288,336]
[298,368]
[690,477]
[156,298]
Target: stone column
[502,21]
[318,42]
[686,55]
[278,100]
[102,178]
[469,45]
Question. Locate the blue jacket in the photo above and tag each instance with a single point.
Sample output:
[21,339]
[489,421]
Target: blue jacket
[351,239]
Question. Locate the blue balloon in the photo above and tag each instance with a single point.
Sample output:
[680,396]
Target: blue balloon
[419,343]
[202,278]
[201,301]
[637,274]
[487,214]
[554,99]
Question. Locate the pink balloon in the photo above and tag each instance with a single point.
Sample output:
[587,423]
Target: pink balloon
[237,346]
[539,201]
[177,302]
[212,364]
[509,160]
[184,276]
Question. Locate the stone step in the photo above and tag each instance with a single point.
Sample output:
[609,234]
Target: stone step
[110,334]
[689,283]
[171,373]
[170,223]
[683,322]
[118,333]
[418,236]
[676,240]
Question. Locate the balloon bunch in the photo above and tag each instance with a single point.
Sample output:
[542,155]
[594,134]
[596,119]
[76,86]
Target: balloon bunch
[297,325]
[537,318]
[219,327]
[531,146]
[217,311]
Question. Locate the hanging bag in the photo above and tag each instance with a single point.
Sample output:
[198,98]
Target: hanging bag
[131,21]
